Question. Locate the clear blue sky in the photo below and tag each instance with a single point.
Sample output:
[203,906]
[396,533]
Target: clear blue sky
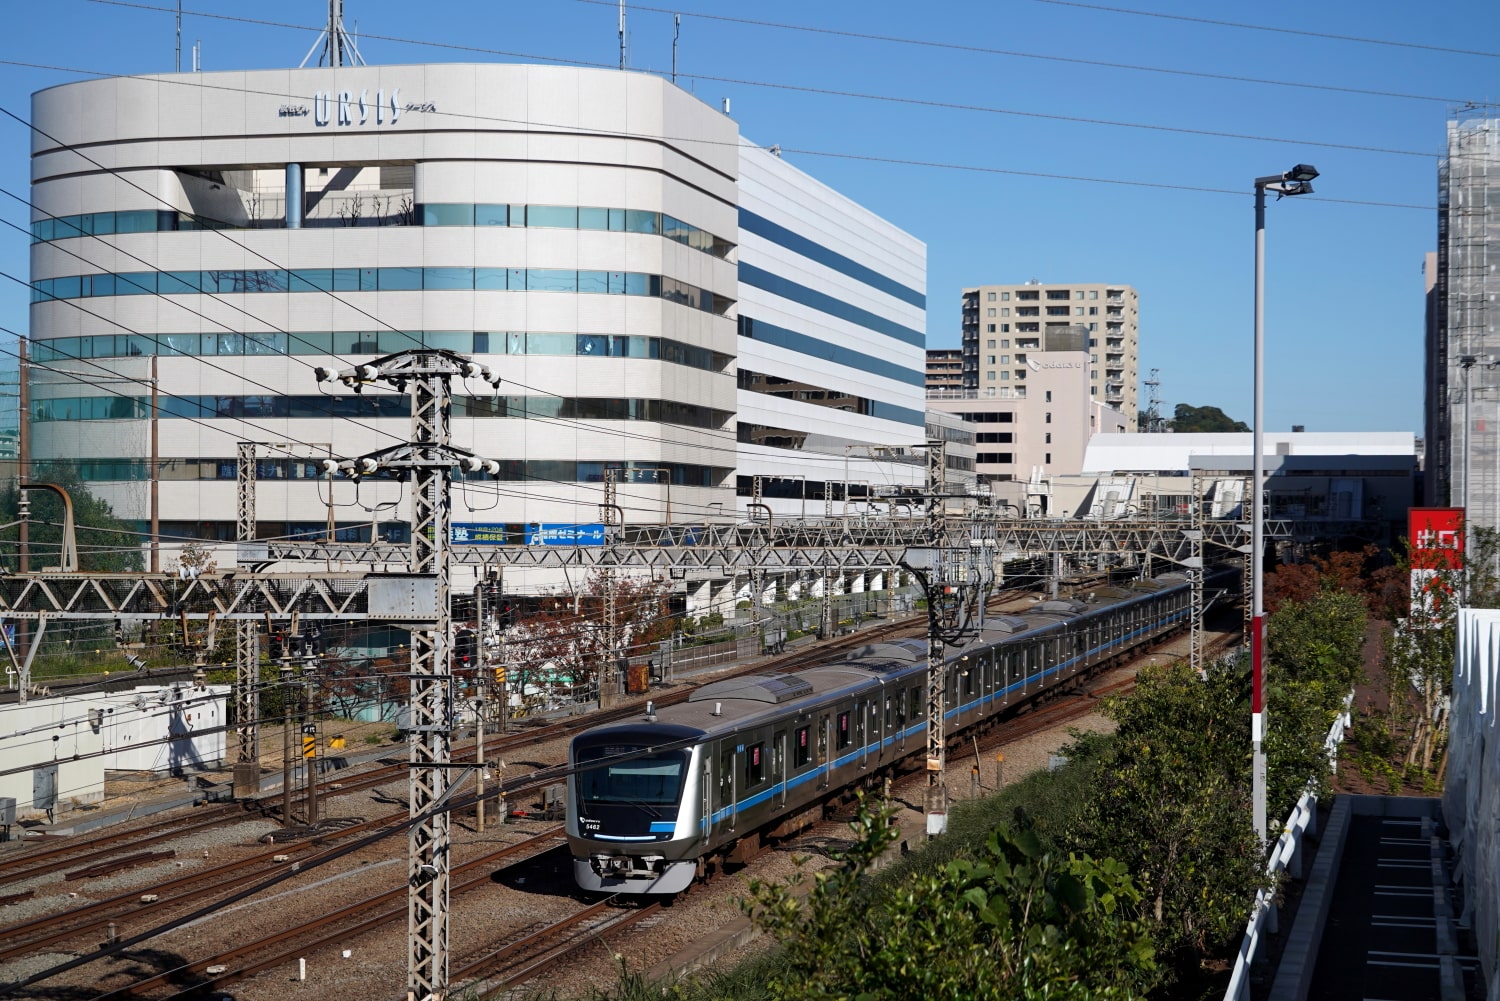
[1344,281]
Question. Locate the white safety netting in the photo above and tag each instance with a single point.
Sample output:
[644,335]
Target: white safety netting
[1471,796]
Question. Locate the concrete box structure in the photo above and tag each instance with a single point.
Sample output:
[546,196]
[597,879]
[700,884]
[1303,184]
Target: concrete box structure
[170,729]
[49,756]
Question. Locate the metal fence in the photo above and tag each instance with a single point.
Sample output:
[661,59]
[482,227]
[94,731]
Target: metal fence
[1286,856]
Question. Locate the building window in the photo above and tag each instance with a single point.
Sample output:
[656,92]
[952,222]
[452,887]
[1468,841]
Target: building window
[1093,359]
[999,457]
[1093,373]
[1057,310]
[1077,310]
[1094,294]
[1078,294]
[1004,376]
[1048,441]
[1093,310]
[989,376]
[1005,359]
[1093,390]
[1093,326]
[989,359]
[1005,344]
[1048,459]
[990,297]
[1093,342]
[1004,310]
[1058,293]
[990,329]
[1005,297]
[990,311]
[990,344]
[1049,418]
[1005,328]
[1049,397]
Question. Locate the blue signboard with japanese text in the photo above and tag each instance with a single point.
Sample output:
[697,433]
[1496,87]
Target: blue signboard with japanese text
[564,535]
[472,534]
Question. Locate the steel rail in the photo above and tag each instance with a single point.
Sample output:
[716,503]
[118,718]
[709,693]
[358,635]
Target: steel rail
[306,937]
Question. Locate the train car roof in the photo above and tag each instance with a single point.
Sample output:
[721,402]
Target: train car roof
[735,702]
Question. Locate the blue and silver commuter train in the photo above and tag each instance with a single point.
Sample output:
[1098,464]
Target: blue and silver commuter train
[654,804]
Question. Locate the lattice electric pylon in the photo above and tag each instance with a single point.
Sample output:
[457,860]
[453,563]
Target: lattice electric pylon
[957,572]
[428,460]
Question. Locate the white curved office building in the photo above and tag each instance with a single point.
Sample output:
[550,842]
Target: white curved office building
[660,297]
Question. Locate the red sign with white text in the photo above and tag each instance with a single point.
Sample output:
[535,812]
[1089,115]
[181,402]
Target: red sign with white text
[1437,546]
[1437,537]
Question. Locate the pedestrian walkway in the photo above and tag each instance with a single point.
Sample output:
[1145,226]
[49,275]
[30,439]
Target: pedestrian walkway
[1377,916]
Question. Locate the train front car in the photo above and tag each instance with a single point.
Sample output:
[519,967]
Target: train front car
[631,826]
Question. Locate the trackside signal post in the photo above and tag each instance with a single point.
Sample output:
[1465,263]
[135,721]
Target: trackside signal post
[422,600]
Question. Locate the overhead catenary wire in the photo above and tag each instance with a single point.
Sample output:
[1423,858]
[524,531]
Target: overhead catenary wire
[834,92]
[985,50]
[511,54]
[900,161]
[1332,36]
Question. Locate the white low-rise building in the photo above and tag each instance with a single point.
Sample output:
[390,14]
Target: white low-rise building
[50,756]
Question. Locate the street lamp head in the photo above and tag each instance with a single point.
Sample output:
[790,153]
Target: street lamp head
[1297,181]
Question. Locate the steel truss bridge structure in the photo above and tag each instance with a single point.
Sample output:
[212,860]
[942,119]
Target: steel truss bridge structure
[815,545]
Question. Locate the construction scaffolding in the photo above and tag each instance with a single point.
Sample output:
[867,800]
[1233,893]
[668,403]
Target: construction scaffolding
[1467,345]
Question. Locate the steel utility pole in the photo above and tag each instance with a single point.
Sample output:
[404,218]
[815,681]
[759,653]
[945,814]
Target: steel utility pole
[246,645]
[428,461]
[956,576]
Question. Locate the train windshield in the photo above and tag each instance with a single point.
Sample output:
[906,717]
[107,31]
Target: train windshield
[626,776]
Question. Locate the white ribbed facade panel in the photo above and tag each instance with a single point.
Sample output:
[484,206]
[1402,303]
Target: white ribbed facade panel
[578,231]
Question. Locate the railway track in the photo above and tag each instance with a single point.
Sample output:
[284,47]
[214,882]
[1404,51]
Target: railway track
[542,949]
[41,861]
[337,927]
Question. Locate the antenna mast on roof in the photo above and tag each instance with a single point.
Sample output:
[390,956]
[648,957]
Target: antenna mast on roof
[1154,422]
[622,34]
[338,45]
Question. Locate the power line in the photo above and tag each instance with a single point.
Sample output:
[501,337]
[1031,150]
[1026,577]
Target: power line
[1263,27]
[1072,119]
[1007,53]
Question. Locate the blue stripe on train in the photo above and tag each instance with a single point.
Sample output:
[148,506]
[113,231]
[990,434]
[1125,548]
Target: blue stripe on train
[821,770]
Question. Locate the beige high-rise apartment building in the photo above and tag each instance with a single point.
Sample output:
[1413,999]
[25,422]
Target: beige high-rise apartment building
[1002,322]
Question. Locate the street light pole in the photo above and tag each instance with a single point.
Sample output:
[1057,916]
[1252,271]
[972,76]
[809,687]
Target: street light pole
[1297,181]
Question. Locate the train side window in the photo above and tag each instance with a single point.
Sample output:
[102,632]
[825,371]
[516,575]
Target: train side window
[755,764]
[900,710]
[844,735]
[802,748]
[890,711]
[968,674]
[726,773]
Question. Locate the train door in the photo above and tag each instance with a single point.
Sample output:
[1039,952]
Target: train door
[728,791]
[778,766]
[706,824]
[825,740]
[859,735]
